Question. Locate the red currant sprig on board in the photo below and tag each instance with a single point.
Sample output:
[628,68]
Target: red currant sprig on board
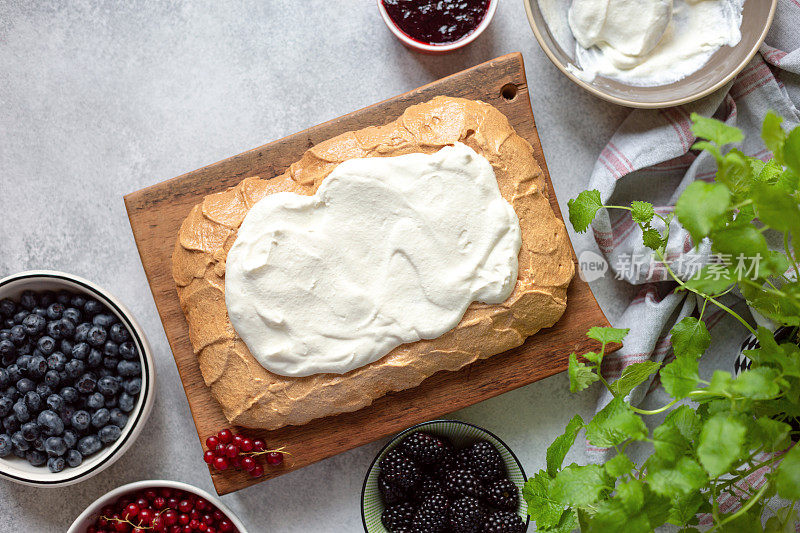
[226,450]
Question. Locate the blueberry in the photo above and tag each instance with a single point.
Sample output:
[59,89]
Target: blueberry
[14,373]
[43,390]
[118,418]
[55,403]
[25,385]
[105,372]
[8,351]
[81,330]
[40,311]
[56,361]
[80,351]
[108,386]
[65,328]
[7,307]
[5,334]
[46,344]
[56,464]
[29,430]
[19,442]
[129,369]
[70,438]
[104,320]
[111,349]
[66,414]
[4,379]
[109,433]
[78,301]
[35,457]
[88,445]
[28,299]
[133,386]
[6,404]
[95,358]
[55,310]
[93,307]
[118,333]
[7,323]
[53,330]
[74,458]
[126,402]
[69,394]
[27,347]
[10,423]
[50,423]
[37,366]
[96,336]
[110,402]
[95,401]
[33,401]
[21,410]
[33,324]
[55,446]
[6,446]
[101,417]
[38,444]
[11,393]
[86,383]
[80,420]
[52,378]
[110,363]
[22,362]
[75,368]
[72,314]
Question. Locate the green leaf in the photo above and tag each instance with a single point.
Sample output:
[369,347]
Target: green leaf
[758,383]
[787,478]
[736,240]
[566,524]
[619,465]
[721,442]
[580,485]
[632,376]
[614,424]
[561,445]
[712,279]
[669,443]
[690,337]
[770,173]
[653,239]
[701,206]
[709,147]
[685,420]
[607,335]
[791,151]
[773,135]
[715,130]
[721,382]
[776,209]
[685,508]
[542,507]
[612,515]
[680,377]
[685,477]
[656,507]
[773,434]
[592,357]
[631,494]
[580,375]
[642,212]
[736,173]
[583,209]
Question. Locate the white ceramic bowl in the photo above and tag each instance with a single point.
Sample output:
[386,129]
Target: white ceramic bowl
[437,48]
[19,470]
[88,516]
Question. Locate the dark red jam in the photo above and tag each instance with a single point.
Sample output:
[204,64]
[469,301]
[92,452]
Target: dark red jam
[437,21]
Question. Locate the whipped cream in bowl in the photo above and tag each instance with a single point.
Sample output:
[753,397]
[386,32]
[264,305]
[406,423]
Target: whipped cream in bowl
[389,250]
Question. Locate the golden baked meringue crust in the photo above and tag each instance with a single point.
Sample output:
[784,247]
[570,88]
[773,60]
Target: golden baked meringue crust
[253,397]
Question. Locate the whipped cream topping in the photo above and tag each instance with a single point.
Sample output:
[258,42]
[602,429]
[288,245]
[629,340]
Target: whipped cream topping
[389,250]
[650,42]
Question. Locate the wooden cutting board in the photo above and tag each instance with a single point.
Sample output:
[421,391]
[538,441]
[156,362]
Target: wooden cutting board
[156,214]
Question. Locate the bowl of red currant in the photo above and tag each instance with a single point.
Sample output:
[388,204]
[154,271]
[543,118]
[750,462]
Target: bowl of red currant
[157,506]
[77,378]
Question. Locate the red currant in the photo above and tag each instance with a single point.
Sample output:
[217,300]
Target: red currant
[170,517]
[201,504]
[248,463]
[259,445]
[211,442]
[237,440]
[274,458]
[232,450]
[225,436]
[225,526]
[184,519]
[159,502]
[209,456]
[257,471]
[246,445]
[220,463]
[184,506]
[131,510]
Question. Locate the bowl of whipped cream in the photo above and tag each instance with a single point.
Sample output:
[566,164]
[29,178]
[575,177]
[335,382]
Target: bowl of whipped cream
[650,53]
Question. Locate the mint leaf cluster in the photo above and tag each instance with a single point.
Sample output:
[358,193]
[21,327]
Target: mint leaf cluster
[719,431]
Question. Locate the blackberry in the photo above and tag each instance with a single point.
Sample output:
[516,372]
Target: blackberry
[397,469]
[391,493]
[503,522]
[398,516]
[445,464]
[423,448]
[462,483]
[431,517]
[466,515]
[502,494]
[427,488]
[486,461]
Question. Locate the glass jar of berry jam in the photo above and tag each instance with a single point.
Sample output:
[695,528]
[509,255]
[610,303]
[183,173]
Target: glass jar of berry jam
[436,26]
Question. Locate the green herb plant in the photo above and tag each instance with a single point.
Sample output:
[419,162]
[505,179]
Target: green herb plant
[730,427]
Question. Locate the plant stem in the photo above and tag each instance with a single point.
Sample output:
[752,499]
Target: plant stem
[655,411]
[746,507]
[789,253]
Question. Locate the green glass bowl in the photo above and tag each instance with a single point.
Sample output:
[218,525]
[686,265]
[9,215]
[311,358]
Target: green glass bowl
[461,434]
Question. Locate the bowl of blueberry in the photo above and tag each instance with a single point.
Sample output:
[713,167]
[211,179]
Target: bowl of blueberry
[76,379]
[157,505]
[446,476]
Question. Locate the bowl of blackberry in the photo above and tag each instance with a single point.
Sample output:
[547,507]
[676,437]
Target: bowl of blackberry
[76,378]
[444,476]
